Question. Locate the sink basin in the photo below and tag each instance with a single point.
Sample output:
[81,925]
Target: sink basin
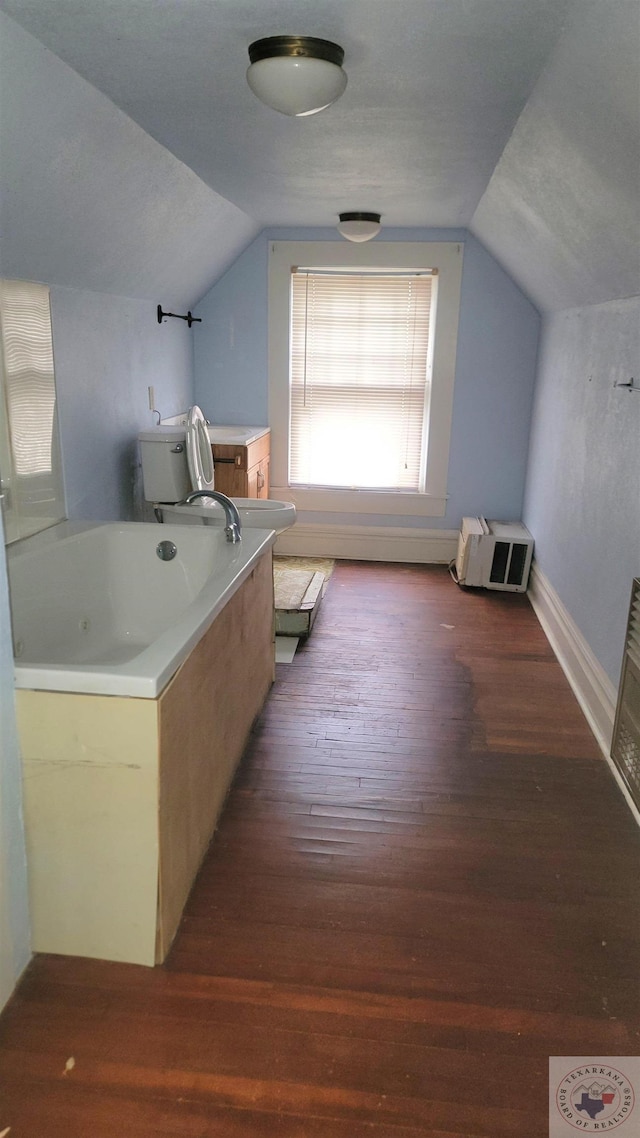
[235,436]
[219,432]
[255,513]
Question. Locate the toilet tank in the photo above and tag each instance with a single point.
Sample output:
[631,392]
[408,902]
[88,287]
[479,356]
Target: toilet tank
[165,474]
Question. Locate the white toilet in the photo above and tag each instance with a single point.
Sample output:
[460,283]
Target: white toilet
[178,460]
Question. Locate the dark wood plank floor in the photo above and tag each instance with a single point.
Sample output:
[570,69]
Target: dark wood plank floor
[425,883]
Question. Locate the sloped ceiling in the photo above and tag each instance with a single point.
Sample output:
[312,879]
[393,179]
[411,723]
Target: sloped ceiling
[90,201]
[562,210]
[455,114]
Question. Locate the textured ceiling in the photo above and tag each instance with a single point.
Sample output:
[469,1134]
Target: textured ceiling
[562,210]
[435,89]
[135,153]
[89,200]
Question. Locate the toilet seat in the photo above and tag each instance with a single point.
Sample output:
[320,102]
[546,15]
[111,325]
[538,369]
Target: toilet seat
[199,452]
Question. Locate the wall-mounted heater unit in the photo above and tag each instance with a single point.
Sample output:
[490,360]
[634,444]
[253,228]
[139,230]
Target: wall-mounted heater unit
[493,555]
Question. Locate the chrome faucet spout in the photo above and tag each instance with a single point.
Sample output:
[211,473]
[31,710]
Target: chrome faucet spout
[233,528]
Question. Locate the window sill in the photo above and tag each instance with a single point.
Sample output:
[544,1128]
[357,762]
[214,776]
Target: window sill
[362,502]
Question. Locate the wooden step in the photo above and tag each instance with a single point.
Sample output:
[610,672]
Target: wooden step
[298,593]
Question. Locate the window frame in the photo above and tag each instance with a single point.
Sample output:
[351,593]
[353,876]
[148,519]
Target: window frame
[446,257]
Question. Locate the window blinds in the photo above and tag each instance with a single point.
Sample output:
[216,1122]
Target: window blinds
[359,379]
[30,390]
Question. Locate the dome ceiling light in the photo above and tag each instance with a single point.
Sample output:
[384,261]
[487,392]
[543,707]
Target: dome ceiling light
[359,226]
[296,75]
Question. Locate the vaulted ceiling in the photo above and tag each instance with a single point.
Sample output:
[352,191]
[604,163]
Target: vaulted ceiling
[517,119]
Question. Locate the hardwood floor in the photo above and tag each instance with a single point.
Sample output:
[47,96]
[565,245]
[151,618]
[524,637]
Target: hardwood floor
[424,884]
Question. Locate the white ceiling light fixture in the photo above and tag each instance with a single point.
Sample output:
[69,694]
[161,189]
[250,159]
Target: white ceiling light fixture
[359,226]
[296,75]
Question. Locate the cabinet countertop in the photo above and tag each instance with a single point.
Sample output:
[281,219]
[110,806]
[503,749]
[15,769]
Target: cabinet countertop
[235,436]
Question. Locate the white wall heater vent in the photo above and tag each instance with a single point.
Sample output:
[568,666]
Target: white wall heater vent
[493,555]
[625,748]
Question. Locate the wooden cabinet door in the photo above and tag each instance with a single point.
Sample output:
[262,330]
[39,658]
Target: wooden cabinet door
[230,480]
[258,480]
[243,471]
[230,467]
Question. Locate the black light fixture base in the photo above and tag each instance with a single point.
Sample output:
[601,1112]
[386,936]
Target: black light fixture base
[296,46]
[374,217]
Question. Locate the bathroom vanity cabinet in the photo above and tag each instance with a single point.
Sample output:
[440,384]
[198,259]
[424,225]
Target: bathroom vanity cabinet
[243,471]
[122,795]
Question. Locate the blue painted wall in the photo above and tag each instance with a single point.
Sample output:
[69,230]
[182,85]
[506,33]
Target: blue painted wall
[108,351]
[583,490]
[231,344]
[495,371]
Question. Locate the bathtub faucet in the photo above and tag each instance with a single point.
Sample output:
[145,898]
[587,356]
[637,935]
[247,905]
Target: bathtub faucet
[233,528]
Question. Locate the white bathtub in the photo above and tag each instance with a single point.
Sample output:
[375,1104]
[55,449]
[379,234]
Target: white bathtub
[95,609]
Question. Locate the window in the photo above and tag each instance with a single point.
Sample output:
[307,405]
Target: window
[30,469]
[374,401]
[360,371]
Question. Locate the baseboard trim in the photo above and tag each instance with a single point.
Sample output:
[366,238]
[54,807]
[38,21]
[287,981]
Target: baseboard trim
[369,543]
[590,683]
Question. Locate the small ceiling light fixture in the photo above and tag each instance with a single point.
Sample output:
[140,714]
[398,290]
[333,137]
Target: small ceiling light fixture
[359,226]
[296,75]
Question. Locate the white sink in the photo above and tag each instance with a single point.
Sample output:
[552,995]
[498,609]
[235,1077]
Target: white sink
[235,436]
[255,513]
[219,432]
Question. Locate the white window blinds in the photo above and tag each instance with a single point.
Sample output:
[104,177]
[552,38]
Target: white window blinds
[359,381]
[30,389]
[31,490]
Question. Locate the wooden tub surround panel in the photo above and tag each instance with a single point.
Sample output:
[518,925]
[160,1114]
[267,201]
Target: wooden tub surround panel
[122,796]
[90,793]
[205,717]
[423,884]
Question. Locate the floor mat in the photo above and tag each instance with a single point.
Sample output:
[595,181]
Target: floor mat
[324,565]
[299,585]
